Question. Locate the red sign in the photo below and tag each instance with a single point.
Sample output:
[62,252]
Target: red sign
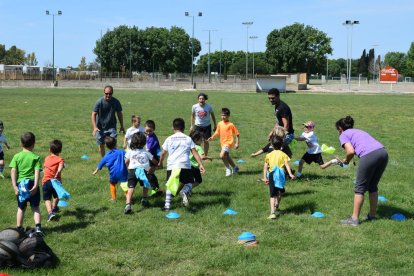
[389,75]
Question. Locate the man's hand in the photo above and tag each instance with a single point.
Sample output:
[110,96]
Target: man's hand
[95,130]
[121,129]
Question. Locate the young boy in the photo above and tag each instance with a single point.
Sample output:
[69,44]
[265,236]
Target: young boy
[198,140]
[273,172]
[314,152]
[179,147]
[2,141]
[226,130]
[114,161]
[53,167]
[136,127]
[153,147]
[25,172]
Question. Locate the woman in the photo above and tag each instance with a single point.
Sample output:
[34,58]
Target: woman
[373,161]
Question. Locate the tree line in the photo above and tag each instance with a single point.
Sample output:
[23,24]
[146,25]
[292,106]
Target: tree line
[16,56]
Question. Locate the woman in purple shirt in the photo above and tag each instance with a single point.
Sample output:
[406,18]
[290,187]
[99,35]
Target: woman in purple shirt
[373,161]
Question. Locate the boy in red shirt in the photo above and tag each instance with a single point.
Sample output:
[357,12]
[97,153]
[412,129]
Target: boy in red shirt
[53,166]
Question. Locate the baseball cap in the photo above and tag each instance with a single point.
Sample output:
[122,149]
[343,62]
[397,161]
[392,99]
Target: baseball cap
[309,124]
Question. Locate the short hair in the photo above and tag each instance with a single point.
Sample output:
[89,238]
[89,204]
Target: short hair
[179,124]
[279,131]
[133,117]
[110,142]
[277,142]
[138,140]
[225,111]
[150,123]
[110,87]
[274,91]
[345,123]
[203,95]
[55,146]
[196,135]
[28,139]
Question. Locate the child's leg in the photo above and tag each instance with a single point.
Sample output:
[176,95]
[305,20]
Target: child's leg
[129,195]
[327,164]
[272,205]
[1,166]
[20,216]
[55,202]
[168,196]
[300,168]
[224,157]
[112,187]
[230,160]
[36,215]
[48,205]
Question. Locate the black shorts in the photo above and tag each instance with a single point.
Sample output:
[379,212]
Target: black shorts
[274,191]
[309,158]
[33,199]
[133,180]
[49,191]
[1,155]
[197,175]
[186,176]
[205,130]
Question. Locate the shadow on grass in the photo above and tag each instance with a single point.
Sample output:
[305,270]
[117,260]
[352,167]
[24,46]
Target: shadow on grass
[82,213]
[308,207]
[69,227]
[250,172]
[386,211]
[311,176]
[210,198]
[305,192]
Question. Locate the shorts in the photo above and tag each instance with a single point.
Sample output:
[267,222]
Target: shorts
[370,170]
[197,175]
[225,149]
[309,158]
[33,199]
[274,191]
[1,155]
[133,180]
[48,191]
[186,176]
[205,131]
[100,135]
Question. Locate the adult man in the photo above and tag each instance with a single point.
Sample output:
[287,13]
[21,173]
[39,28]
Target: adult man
[105,125]
[284,118]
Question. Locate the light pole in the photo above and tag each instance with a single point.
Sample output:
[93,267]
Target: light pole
[247,24]
[253,38]
[53,42]
[208,60]
[349,25]
[192,46]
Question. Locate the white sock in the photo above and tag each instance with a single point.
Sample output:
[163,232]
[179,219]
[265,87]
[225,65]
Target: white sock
[168,196]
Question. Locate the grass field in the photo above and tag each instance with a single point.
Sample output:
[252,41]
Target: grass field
[94,237]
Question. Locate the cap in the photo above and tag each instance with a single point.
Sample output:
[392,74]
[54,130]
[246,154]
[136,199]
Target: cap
[309,124]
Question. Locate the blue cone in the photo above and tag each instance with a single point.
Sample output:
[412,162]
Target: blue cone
[63,203]
[318,215]
[241,161]
[247,236]
[230,211]
[382,198]
[85,157]
[296,162]
[173,215]
[398,217]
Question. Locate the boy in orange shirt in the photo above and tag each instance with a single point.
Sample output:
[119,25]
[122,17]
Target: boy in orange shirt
[53,166]
[226,130]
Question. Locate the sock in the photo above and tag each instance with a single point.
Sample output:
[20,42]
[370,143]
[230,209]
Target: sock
[112,187]
[187,188]
[168,196]
[38,225]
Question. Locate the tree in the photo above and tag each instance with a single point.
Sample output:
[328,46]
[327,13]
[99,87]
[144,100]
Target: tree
[410,61]
[337,67]
[31,59]
[82,65]
[397,60]
[363,64]
[15,56]
[2,53]
[298,48]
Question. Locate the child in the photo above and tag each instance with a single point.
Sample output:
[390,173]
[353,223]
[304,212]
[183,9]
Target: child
[179,147]
[138,161]
[53,166]
[276,131]
[3,140]
[198,140]
[314,152]
[114,161]
[273,172]
[153,146]
[136,127]
[226,130]
[25,173]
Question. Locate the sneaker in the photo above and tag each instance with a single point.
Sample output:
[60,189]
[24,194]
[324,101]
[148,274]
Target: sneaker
[369,218]
[51,217]
[228,172]
[272,216]
[145,202]
[39,231]
[235,169]
[127,209]
[350,221]
[1,175]
[185,198]
[55,210]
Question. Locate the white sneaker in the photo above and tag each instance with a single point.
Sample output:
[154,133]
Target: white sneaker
[185,198]
[228,172]
[235,169]
[334,162]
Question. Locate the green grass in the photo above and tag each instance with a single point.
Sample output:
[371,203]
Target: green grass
[94,237]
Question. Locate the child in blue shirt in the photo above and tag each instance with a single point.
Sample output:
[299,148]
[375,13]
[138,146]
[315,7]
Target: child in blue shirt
[114,161]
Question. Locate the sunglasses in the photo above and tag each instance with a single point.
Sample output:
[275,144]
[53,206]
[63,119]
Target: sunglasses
[108,94]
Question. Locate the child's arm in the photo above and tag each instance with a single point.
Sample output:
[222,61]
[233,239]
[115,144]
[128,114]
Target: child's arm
[205,157]
[153,161]
[36,182]
[300,138]
[265,169]
[289,170]
[60,168]
[213,117]
[163,153]
[7,145]
[236,146]
[95,171]
[13,176]
[198,158]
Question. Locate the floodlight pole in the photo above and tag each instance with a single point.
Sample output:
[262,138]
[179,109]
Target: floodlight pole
[247,24]
[209,63]
[192,47]
[349,25]
[53,42]
[253,38]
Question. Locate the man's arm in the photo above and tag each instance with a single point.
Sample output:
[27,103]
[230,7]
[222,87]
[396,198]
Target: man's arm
[285,121]
[213,117]
[121,121]
[95,129]
[192,120]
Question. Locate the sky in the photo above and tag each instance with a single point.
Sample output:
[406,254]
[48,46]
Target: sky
[386,24]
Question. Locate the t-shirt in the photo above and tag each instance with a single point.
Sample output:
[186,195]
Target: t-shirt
[114,161]
[362,142]
[138,158]
[202,114]
[106,113]
[25,163]
[312,142]
[226,130]
[131,131]
[276,158]
[51,166]
[178,147]
[200,152]
[153,145]
[2,140]
[283,111]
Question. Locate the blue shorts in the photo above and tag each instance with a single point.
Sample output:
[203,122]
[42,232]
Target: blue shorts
[49,191]
[33,199]
[100,135]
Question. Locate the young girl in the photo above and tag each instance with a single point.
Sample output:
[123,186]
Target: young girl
[276,131]
[273,172]
[136,127]
[198,140]
[138,161]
